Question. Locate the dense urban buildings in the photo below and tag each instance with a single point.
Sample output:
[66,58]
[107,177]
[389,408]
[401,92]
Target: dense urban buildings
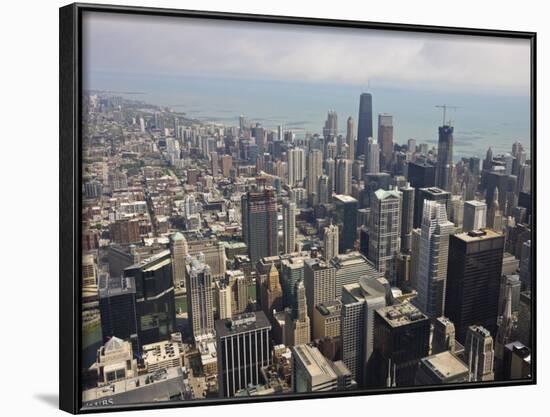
[240,258]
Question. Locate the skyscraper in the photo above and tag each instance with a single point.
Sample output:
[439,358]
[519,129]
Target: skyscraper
[330,168]
[296,166]
[312,372]
[299,326]
[385,232]
[350,268]
[289,226]
[343,176]
[441,368]
[259,223]
[364,127]
[421,174]
[359,302]
[401,340]
[479,353]
[433,252]
[154,297]
[505,327]
[444,157]
[224,298]
[330,129]
[200,304]
[324,193]
[385,139]
[117,306]
[473,280]
[526,265]
[320,283]
[292,271]
[475,215]
[274,292]
[432,194]
[372,163]
[494,214]
[243,348]
[214,163]
[443,335]
[346,220]
[330,242]
[179,251]
[415,256]
[407,217]
[314,171]
[350,139]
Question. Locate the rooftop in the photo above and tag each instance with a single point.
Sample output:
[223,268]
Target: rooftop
[383,194]
[167,382]
[331,308]
[314,362]
[476,203]
[152,262]
[401,314]
[344,198]
[477,235]
[242,323]
[445,365]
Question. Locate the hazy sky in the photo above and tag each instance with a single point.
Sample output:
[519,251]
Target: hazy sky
[147,45]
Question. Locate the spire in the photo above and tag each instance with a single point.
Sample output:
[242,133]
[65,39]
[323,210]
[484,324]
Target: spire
[504,332]
[273,283]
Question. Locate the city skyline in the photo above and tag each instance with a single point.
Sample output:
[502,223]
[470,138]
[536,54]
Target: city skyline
[236,258]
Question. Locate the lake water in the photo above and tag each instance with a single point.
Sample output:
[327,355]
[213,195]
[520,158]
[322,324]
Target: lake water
[482,120]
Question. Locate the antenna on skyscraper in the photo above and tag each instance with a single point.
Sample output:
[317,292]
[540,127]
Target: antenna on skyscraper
[445,107]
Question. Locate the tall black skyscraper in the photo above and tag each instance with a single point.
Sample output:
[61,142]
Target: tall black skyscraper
[117,305]
[346,220]
[473,277]
[259,223]
[407,217]
[421,174]
[155,302]
[243,348]
[364,126]
[401,339]
[444,157]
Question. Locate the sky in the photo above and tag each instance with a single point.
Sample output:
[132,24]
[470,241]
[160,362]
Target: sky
[163,46]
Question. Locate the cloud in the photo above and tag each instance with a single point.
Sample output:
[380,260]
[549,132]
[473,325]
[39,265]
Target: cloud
[133,44]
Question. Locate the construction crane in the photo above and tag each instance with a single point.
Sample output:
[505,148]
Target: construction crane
[445,107]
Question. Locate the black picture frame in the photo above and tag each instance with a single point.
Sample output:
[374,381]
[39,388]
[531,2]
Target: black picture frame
[70,93]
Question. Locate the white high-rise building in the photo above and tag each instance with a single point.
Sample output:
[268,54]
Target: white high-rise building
[200,303]
[179,251]
[314,171]
[373,157]
[330,242]
[385,232]
[343,176]
[359,304]
[296,166]
[433,256]
[289,227]
[480,354]
[475,215]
